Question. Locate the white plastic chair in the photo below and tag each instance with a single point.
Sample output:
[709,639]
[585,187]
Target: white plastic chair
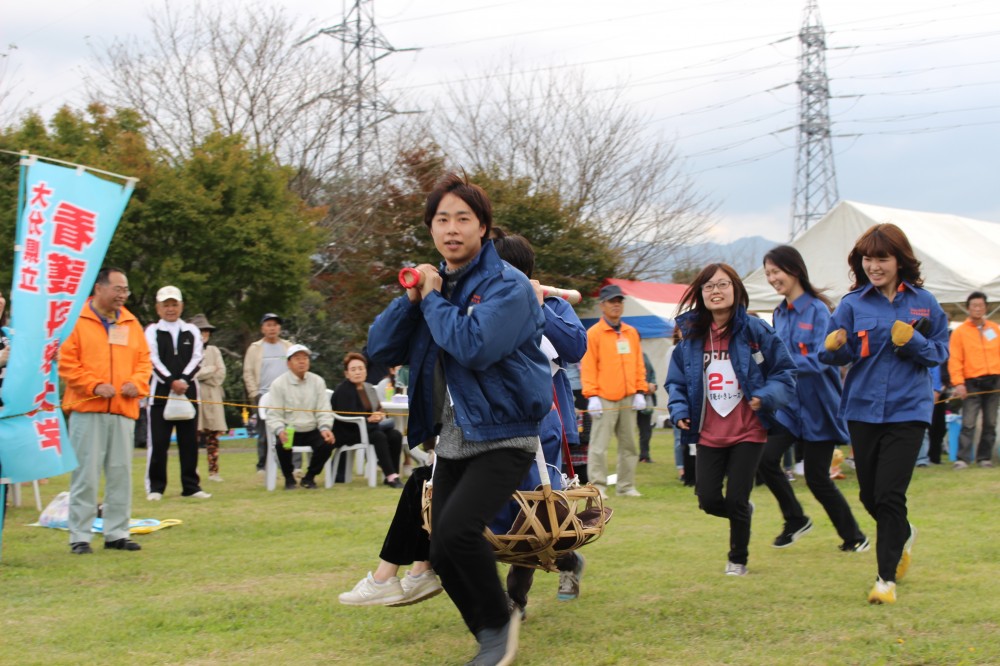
[15,492]
[271,466]
[360,456]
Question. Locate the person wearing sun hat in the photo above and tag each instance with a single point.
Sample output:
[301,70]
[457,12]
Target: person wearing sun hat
[211,414]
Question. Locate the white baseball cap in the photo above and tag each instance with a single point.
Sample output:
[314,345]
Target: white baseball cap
[295,349]
[166,293]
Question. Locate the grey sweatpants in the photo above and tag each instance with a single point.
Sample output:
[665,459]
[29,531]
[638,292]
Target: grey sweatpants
[101,441]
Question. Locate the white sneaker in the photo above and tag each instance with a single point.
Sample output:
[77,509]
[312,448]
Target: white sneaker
[215,477]
[418,588]
[154,497]
[631,492]
[201,494]
[369,593]
[602,489]
[733,569]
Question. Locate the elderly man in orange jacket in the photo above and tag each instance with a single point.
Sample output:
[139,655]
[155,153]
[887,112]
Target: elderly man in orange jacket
[614,378]
[974,366]
[105,364]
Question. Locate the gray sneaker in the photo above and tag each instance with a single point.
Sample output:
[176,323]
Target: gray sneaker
[369,593]
[569,581]
[498,647]
[418,588]
[733,569]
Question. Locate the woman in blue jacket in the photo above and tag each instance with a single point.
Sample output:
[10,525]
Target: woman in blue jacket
[470,332]
[726,377]
[891,331]
[811,417]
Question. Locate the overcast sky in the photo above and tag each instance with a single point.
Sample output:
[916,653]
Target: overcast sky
[916,83]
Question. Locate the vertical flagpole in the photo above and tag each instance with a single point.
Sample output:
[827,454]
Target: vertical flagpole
[22,188]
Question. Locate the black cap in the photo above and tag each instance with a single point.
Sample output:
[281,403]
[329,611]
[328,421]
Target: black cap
[271,315]
[610,291]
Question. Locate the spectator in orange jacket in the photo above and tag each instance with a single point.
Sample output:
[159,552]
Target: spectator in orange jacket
[614,378]
[974,366]
[105,364]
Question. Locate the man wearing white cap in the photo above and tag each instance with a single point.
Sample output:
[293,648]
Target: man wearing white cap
[175,348]
[301,413]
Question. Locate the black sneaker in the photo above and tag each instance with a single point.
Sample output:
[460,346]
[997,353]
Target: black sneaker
[792,534]
[855,546]
[122,544]
[80,548]
[307,482]
[395,483]
[291,483]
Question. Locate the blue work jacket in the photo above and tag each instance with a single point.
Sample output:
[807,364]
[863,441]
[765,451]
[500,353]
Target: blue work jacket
[887,384]
[812,413]
[487,337]
[760,360]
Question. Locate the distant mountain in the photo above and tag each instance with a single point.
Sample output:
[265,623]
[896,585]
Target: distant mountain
[743,254]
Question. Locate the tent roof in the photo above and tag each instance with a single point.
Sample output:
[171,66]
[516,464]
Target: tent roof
[649,307]
[958,255]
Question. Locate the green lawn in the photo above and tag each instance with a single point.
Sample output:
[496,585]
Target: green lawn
[251,577]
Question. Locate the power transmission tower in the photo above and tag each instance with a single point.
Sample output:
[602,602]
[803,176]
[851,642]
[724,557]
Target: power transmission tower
[365,108]
[815,179]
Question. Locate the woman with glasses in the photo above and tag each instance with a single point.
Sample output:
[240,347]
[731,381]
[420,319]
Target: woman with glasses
[891,332]
[726,377]
[811,418]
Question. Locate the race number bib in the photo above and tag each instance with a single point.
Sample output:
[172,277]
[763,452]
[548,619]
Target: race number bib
[724,391]
[623,347]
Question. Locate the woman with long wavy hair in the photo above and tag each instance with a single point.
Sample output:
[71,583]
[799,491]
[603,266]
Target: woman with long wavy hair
[726,378]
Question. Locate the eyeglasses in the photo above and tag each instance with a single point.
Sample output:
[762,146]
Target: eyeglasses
[120,290]
[721,285]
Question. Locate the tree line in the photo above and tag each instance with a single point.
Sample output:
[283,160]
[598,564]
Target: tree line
[248,202]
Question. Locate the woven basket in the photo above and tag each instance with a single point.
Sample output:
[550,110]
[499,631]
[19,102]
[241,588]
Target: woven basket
[550,523]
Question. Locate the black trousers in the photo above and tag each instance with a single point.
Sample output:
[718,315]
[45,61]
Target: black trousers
[388,448]
[816,457]
[159,442]
[645,423]
[737,466]
[938,430]
[884,456]
[519,579]
[321,453]
[468,493]
[406,541]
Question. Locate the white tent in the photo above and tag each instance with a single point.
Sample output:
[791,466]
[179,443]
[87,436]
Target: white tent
[649,307]
[958,255]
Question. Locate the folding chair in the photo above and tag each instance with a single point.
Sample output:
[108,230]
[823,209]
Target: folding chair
[15,492]
[366,463]
[271,466]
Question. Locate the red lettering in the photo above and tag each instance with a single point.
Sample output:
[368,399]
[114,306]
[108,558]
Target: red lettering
[48,434]
[65,274]
[714,381]
[49,355]
[74,226]
[29,278]
[35,222]
[40,398]
[58,314]
[32,250]
[40,194]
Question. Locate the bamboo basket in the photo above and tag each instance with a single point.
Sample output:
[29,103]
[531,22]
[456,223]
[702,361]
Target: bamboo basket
[549,523]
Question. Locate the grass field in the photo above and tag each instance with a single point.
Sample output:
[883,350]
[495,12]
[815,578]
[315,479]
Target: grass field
[252,577]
